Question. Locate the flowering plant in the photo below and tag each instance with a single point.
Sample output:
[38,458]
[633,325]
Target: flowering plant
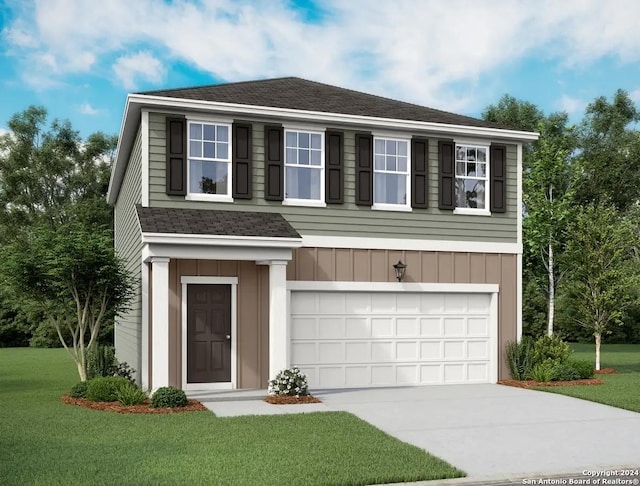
[289,382]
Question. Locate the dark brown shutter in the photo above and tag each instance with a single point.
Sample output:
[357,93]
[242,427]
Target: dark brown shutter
[419,172]
[334,185]
[447,176]
[176,153]
[241,160]
[498,174]
[274,163]
[364,169]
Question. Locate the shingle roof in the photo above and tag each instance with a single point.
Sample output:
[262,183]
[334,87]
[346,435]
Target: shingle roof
[214,222]
[301,94]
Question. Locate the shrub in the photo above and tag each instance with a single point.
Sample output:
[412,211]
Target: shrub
[169,397]
[125,371]
[101,361]
[79,390]
[565,372]
[105,388]
[551,348]
[543,372]
[583,368]
[289,382]
[519,358]
[130,394]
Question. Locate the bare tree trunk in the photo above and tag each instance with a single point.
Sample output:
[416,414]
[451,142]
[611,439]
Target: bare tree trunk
[552,292]
[598,341]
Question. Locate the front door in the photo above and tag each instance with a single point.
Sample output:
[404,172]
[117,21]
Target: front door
[208,333]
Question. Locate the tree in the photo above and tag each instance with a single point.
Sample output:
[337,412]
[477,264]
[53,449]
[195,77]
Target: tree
[608,167]
[547,204]
[604,276]
[546,182]
[49,177]
[72,274]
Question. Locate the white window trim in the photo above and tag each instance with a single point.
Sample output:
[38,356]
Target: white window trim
[486,211]
[406,207]
[233,282]
[290,201]
[198,196]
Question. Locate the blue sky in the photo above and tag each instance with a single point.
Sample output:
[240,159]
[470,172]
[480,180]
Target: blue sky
[80,58]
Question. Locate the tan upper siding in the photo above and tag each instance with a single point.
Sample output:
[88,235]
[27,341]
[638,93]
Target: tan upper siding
[128,244]
[348,219]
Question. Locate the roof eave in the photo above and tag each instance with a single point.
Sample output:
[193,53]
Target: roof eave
[221,240]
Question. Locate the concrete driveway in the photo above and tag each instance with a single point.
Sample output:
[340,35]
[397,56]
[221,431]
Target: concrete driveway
[494,430]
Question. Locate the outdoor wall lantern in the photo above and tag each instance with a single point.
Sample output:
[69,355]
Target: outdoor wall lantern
[400,269]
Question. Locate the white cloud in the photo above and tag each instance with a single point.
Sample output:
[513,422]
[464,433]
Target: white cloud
[87,109]
[408,49]
[141,65]
[572,105]
[3,131]
[635,95]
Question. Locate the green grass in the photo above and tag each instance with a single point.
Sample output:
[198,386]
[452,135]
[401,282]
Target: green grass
[622,390]
[43,441]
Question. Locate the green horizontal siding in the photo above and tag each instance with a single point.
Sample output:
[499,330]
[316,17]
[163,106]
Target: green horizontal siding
[348,219]
[128,244]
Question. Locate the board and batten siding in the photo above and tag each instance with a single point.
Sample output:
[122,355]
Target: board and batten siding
[252,317]
[355,265]
[128,245]
[348,219]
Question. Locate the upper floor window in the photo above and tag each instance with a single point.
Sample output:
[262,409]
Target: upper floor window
[391,173]
[472,176]
[209,159]
[304,166]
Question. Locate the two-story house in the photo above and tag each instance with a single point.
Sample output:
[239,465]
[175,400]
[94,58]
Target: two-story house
[265,221]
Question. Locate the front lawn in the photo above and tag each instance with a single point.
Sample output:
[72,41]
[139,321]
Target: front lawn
[622,390]
[43,441]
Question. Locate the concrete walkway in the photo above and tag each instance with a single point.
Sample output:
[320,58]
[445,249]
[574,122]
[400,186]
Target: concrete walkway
[489,431]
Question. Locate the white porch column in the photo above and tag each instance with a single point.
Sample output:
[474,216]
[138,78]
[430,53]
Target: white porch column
[160,322]
[144,345]
[278,318]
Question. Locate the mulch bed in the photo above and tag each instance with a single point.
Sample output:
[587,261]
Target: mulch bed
[607,371]
[532,384]
[290,400]
[145,407]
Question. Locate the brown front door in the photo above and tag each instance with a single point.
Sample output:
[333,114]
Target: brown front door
[208,333]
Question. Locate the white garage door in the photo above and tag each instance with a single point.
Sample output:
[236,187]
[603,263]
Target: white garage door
[356,339]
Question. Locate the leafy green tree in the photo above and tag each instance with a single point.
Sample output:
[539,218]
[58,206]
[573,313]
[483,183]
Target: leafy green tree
[547,205]
[73,276]
[49,176]
[602,254]
[546,184]
[608,166]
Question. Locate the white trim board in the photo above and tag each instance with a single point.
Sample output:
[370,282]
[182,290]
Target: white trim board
[233,282]
[328,286]
[144,139]
[214,252]
[220,240]
[320,241]
[324,117]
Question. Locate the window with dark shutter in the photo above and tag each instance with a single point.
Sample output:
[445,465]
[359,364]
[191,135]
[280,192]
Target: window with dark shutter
[498,175]
[176,154]
[446,176]
[274,161]
[241,160]
[419,172]
[334,182]
[364,169]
